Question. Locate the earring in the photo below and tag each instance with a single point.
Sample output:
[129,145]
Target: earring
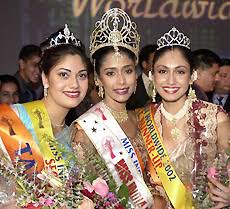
[135,88]
[45,92]
[191,92]
[154,93]
[150,75]
[101,91]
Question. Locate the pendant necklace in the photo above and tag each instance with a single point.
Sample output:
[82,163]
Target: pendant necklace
[175,132]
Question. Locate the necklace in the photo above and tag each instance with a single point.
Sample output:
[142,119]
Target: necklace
[120,116]
[175,132]
[173,118]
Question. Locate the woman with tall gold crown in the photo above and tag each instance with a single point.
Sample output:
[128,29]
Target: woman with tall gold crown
[186,138]
[108,130]
[34,135]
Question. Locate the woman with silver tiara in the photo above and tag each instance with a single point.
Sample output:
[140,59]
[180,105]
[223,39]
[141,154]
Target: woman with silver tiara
[108,130]
[186,138]
[34,140]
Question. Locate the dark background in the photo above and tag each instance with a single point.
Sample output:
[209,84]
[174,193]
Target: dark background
[31,21]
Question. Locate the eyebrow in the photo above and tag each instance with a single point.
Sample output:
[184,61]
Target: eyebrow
[71,71]
[174,68]
[115,68]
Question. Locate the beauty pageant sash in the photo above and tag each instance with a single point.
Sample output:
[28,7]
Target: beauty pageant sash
[16,141]
[97,124]
[173,186]
[53,158]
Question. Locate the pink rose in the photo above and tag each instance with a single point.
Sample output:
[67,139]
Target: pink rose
[88,190]
[88,186]
[212,172]
[100,187]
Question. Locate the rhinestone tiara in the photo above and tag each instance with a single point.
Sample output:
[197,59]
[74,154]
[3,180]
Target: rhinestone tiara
[115,29]
[173,38]
[64,37]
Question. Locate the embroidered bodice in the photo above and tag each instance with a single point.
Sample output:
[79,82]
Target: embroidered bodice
[197,148]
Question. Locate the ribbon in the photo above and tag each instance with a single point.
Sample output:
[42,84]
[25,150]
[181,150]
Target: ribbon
[53,159]
[160,161]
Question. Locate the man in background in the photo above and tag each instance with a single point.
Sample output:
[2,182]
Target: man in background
[207,64]
[221,93]
[28,74]
[143,93]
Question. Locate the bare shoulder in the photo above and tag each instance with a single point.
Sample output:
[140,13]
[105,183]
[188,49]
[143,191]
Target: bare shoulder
[223,118]
[79,135]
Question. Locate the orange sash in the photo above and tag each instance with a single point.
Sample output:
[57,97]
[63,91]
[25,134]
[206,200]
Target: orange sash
[18,141]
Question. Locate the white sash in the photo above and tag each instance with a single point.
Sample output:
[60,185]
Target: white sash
[105,134]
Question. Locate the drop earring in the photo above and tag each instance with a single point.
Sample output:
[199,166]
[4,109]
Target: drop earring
[100,88]
[191,92]
[45,92]
[154,94]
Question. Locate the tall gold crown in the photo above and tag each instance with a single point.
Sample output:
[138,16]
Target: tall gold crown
[173,38]
[115,29]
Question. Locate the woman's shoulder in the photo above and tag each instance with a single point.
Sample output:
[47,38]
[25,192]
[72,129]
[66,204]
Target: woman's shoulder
[200,104]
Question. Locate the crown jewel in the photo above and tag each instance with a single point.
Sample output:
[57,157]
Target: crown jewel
[173,38]
[64,37]
[115,29]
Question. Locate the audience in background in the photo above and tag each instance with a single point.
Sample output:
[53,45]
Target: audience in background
[28,74]
[207,64]
[221,93]
[144,87]
[9,89]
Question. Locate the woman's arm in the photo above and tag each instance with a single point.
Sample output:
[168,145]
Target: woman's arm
[219,193]
[223,132]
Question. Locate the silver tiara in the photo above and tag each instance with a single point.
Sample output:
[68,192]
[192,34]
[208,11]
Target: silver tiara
[64,37]
[173,38]
[115,29]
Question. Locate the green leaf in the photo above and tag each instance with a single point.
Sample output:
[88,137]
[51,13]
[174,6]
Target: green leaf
[123,193]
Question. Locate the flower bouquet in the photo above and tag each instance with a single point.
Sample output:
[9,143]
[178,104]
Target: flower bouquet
[98,184]
[42,190]
[218,171]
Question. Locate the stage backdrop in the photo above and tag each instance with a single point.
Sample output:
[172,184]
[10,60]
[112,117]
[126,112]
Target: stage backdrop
[206,22]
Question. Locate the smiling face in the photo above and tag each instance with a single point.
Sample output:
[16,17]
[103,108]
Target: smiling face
[118,77]
[29,69]
[172,76]
[67,82]
[223,83]
[207,78]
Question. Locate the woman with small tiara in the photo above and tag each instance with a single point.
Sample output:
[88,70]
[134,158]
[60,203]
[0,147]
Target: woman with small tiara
[35,142]
[186,138]
[107,134]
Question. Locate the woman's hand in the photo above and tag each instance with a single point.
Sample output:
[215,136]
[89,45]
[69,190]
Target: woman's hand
[86,204]
[219,193]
